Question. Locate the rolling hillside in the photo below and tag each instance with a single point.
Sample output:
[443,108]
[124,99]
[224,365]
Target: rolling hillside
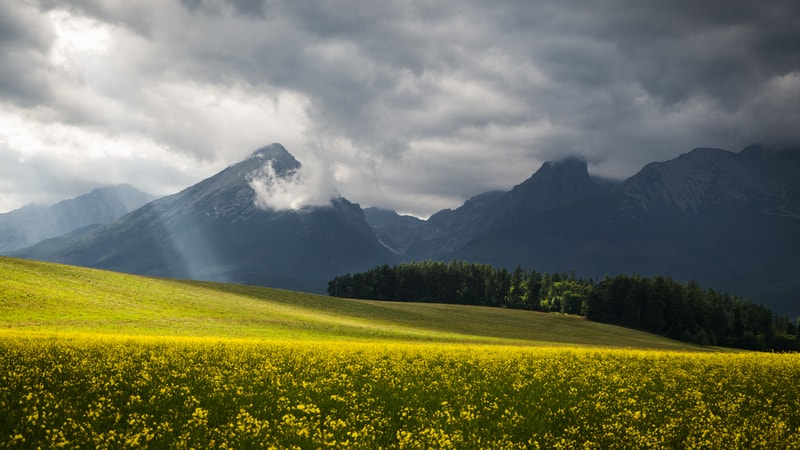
[55,298]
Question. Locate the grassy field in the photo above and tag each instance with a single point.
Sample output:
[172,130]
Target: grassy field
[44,297]
[92,359]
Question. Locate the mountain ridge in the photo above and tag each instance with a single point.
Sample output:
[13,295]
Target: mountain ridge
[555,184]
[32,223]
[729,220]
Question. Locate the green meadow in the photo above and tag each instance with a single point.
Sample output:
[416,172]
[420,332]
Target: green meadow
[53,298]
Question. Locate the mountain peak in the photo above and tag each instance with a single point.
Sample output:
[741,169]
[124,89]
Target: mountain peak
[270,179]
[565,172]
[555,184]
[275,154]
[706,151]
[569,164]
[271,151]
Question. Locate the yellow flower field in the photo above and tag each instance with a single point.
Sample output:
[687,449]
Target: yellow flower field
[105,392]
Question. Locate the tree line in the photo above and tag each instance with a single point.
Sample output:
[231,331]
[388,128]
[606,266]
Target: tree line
[660,305]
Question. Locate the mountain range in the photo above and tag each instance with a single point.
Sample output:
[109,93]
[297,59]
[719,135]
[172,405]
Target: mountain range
[728,220]
[32,223]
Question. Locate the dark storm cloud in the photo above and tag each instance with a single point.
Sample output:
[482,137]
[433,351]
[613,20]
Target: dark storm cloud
[23,46]
[725,50]
[602,67]
[467,96]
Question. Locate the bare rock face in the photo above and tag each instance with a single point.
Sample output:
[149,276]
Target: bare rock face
[701,178]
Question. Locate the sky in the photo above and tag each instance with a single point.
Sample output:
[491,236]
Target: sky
[407,105]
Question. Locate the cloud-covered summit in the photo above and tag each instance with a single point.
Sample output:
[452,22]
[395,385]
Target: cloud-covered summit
[283,183]
[412,106]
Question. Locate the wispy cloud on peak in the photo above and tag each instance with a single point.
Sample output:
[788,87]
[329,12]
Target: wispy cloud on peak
[295,190]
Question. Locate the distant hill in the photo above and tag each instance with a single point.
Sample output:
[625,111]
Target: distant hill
[216,230]
[63,299]
[30,224]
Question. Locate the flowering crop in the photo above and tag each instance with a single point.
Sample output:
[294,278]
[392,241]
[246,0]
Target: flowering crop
[107,392]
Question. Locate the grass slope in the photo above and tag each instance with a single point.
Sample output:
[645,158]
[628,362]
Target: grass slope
[53,298]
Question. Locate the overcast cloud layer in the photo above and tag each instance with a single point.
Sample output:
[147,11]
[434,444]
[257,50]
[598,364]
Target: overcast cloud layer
[410,105]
